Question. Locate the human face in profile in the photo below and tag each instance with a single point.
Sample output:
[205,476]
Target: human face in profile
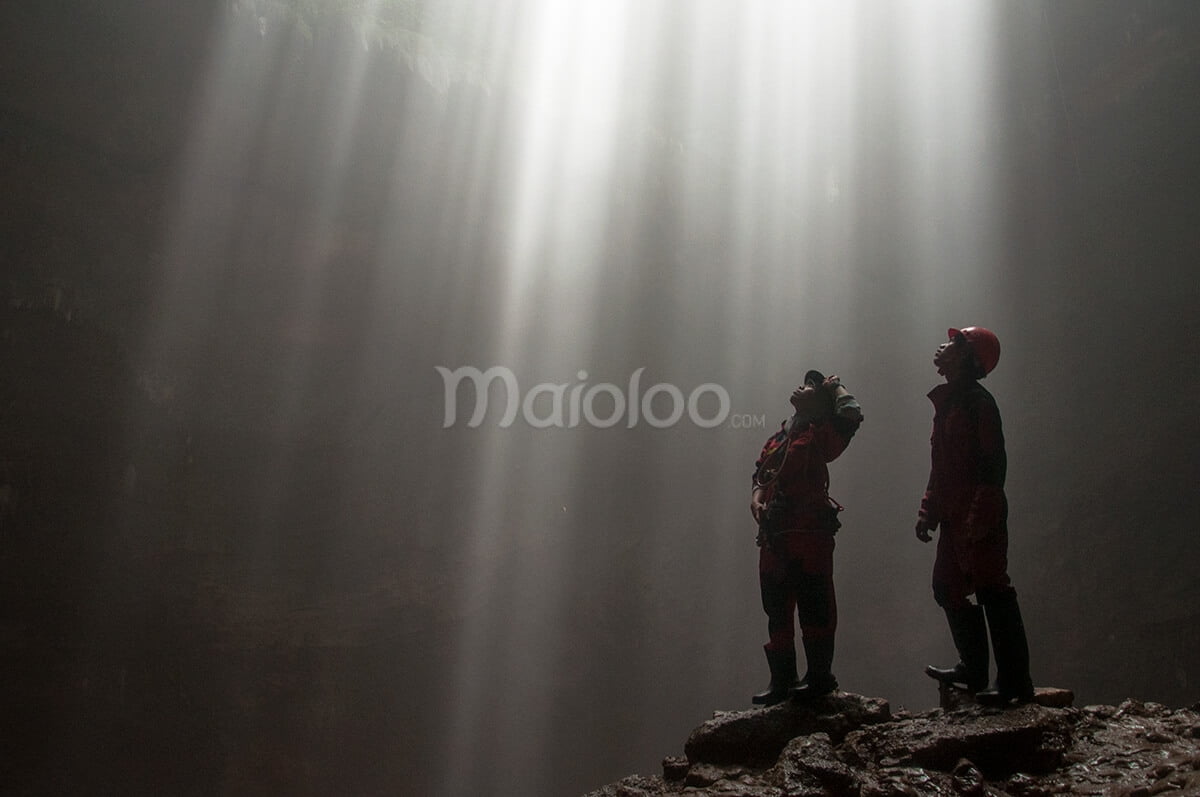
[951,357]
[806,399]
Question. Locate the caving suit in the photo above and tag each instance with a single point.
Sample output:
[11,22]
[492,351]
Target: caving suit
[795,565]
[965,498]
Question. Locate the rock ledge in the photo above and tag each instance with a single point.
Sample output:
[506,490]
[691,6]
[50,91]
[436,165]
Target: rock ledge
[848,744]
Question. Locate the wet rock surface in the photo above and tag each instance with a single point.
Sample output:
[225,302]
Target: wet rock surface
[757,738]
[848,744]
[1026,738]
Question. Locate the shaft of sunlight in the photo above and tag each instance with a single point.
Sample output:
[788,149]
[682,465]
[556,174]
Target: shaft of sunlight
[769,114]
[753,146]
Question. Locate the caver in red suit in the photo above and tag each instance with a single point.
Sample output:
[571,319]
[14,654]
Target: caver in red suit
[797,521]
[965,499]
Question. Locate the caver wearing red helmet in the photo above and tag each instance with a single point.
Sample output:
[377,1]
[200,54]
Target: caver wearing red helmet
[965,497]
[984,345]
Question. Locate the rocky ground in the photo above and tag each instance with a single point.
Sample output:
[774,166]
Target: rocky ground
[851,745]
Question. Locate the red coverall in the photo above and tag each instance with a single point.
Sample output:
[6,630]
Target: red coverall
[795,566]
[966,496]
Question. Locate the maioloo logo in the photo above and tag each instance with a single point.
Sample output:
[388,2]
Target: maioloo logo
[569,405]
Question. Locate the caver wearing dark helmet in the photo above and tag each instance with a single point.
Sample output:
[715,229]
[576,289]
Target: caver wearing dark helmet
[797,520]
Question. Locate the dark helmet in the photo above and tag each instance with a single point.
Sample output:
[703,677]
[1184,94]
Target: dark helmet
[984,345]
[825,398]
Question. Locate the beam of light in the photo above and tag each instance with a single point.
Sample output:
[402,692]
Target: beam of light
[235,111]
[570,77]
[947,88]
[762,121]
[238,122]
[774,135]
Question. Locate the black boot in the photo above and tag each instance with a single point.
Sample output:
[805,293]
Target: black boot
[969,631]
[1013,683]
[819,679]
[783,677]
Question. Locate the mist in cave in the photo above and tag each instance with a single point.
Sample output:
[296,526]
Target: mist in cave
[260,540]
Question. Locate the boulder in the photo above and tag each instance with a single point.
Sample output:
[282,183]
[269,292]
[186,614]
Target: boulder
[756,738]
[1029,738]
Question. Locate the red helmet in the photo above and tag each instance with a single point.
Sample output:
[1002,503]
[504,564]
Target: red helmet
[984,345]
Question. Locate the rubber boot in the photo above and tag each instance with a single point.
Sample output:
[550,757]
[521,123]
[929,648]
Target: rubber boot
[1013,683]
[819,680]
[970,634]
[783,677]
